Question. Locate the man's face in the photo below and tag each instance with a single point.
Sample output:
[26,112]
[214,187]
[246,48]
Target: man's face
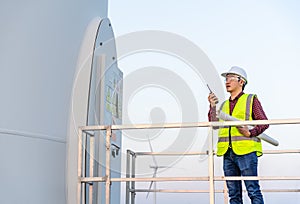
[233,83]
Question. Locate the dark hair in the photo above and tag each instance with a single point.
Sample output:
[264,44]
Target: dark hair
[244,84]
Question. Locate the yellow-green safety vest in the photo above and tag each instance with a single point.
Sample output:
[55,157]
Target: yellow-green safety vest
[240,144]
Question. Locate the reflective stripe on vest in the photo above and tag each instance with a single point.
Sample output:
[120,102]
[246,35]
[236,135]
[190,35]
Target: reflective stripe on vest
[237,138]
[240,144]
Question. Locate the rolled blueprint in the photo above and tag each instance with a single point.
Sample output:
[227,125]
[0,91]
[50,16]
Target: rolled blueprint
[262,136]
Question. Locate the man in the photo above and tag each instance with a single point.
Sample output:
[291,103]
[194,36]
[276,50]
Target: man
[239,146]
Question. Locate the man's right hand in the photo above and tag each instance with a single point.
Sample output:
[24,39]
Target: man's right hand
[212,99]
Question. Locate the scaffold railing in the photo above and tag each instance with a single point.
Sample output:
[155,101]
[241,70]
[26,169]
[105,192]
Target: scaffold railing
[88,131]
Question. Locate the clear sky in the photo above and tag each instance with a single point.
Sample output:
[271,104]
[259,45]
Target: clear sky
[260,36]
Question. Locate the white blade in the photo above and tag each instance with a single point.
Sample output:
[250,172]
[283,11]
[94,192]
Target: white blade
[151,149]
[150,186]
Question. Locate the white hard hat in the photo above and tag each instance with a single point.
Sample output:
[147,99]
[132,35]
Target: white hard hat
[238,71]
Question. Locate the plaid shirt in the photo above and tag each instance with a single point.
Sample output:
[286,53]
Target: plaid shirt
[257,114]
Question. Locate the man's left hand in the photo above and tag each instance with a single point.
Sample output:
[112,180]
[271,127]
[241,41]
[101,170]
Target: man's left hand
[244,130]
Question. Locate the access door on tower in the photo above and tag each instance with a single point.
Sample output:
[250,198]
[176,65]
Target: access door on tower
[105,108]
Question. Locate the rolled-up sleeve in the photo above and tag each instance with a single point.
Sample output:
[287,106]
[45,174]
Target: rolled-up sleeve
[212,114]
[258,114]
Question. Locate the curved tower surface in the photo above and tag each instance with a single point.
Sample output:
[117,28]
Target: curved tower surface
[40,55]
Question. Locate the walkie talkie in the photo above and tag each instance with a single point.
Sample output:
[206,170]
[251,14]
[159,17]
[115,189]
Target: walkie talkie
[210,91]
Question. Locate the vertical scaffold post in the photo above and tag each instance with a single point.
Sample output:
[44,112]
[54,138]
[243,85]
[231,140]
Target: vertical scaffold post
[127,176]
[107,169]
[211,167]
[133,182]
[225,193]
[92,157]
[79,169]
[84,163]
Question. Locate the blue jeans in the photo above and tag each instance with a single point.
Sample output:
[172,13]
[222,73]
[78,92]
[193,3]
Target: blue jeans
[242,165]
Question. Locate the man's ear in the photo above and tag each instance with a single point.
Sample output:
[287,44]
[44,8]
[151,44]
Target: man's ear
[241,82]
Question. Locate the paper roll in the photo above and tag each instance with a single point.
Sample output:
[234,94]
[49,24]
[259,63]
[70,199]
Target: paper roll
[262,136]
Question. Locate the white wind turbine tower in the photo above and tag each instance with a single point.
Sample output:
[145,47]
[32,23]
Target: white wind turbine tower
[155,168]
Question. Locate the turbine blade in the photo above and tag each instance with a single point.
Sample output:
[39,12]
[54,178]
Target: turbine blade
[150,186]
[151,149]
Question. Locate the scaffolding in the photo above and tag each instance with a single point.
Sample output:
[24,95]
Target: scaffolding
[88,131]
